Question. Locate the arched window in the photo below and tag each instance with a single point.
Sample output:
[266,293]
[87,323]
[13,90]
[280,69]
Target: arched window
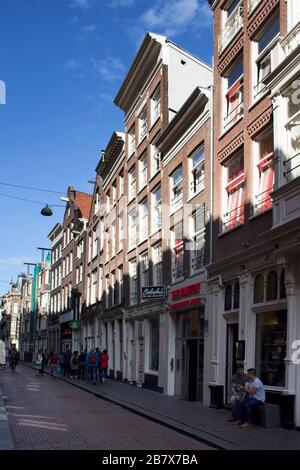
[258,289]
[228,297]
[236,295]
[272,286]
[282,285]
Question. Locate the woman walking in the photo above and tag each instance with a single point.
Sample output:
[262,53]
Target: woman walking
[53,363]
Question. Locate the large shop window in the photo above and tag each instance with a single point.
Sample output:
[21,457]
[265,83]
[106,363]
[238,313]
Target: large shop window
[235,193]
[292,162]
[265,171]
[271,333]
[234,95]
[154,344]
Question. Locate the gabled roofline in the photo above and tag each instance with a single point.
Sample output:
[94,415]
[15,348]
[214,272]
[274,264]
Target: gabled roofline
[58,225]
[116,139]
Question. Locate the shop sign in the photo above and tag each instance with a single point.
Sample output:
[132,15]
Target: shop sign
[74,325]
[187,291]
[186,303]
[153,292]
[67,332]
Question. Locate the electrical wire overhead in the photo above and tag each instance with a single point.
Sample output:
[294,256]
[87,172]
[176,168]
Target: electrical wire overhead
[31,188]
[30,200]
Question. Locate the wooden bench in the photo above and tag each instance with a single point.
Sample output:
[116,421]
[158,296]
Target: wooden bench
[267,415]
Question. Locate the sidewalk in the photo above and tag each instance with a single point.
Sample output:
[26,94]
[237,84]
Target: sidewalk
[191,418]
[6,442]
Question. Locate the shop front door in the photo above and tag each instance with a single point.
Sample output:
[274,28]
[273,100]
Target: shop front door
[192,367]
[232,338]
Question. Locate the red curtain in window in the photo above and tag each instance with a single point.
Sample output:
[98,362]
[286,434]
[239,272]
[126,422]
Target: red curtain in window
[236,199]
[233,98]
[266,169]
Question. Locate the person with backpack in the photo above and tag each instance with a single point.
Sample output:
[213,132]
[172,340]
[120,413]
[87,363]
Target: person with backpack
[81,360]
[75,365]
[104,365]
[92,362]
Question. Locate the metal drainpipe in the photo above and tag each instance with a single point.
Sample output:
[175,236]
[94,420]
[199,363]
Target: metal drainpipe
[211,210]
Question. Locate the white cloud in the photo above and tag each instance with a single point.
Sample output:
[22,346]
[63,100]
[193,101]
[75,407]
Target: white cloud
[73,64]
[82,4]
[90,28]
[120,3]
[173,18]
[109,69]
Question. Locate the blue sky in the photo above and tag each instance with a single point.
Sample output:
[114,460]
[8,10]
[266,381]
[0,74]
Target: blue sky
[63,62]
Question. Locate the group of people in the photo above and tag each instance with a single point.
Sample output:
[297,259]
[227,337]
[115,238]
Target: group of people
[247,392]
[92,365]
[9,356]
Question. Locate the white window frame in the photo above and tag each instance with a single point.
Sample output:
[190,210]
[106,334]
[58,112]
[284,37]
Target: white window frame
[155,105]
[178,248]
[133,282]
[197,183]
[157,264]
[155,163]
[176,190]
[132,229]
[131,141]
[198,234]
[143,220]
[143,171]
[113,234]
[143,125]
[156,216]
[131,183]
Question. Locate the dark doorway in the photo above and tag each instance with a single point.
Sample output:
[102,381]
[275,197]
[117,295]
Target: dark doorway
[232,338]
[192,350]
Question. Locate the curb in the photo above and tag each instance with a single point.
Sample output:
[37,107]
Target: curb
[179,427]
[6,441]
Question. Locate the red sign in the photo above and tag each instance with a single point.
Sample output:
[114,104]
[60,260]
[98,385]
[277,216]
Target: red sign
[186,303]
[67,332]
[186,291]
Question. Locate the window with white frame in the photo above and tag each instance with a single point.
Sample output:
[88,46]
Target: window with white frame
[113,289]
[132,229]
[106,291]
[81,273]
[264,54]
[97,203]
[234,94]
[107,240]
[133,282]
[232,22]
[121,230]
[121,286]
[155,105]
[101,235]
[131,141]
[143,124]
[263,181]
[77,274]
[143,171]
[233,192]
[114,193]
[121,185]
[108,204]
[90,248]
[131,183]
[100,283]
[156,209]
[154,159]
[94,286]
[113,238]
[176,189]
[157,265]
[145,278]
[198,230]
[197,171]
[95,241]
[292,162]
[143,220]
[178,251]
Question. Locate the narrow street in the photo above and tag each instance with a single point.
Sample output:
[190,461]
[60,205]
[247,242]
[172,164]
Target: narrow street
[47,414]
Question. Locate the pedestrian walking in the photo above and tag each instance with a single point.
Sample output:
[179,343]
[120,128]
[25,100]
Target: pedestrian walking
[82,366]
[40,362]
[104,365]
[67,361]
[53,363]
[2,354]
[92,363]
[75,365]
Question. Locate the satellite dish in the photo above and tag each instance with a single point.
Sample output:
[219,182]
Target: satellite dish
[46,211]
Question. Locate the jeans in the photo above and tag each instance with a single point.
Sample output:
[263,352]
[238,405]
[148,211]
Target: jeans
[67,369]
[82,371]
[244,409]
[92,373]
[103,373]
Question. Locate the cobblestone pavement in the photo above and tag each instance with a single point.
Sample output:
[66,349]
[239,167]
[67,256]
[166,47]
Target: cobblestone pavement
[46,413]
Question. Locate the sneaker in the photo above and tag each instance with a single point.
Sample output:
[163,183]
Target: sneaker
[244,425]
[237,422]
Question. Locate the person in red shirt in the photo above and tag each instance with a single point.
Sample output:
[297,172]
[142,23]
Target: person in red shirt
[104,365]
[53,363]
